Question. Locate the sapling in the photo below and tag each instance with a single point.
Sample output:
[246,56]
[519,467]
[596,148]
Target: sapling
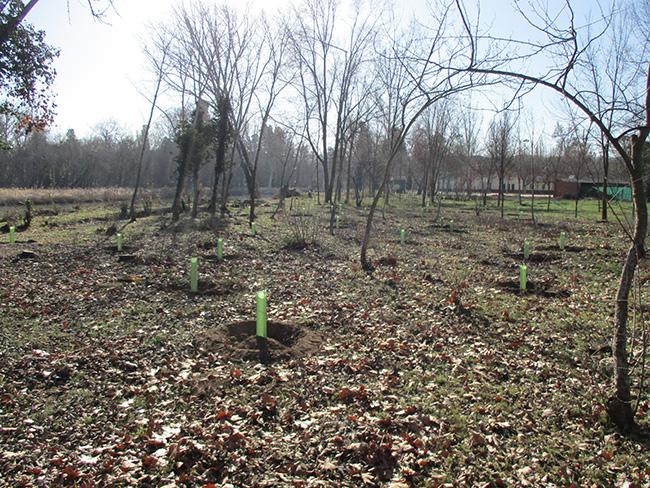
[261,314]
[194,275]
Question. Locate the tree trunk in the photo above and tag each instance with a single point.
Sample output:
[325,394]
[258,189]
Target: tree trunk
[195,192]
[327,184]
[619,406]
[603,210]
[425,185]
[145,138]
[212,206]
[500,194]
[225,193]
[365,264]
[176,206]
[350,152]
[251,194]
[349,177]
[317,184]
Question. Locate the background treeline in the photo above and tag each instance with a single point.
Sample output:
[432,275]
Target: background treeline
[433,157]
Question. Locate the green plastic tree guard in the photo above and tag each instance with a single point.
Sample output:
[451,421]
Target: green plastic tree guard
[194,274]
[562,240]
[522,277]
[12,235]
[220,249]
[120,242]
[402,236]
[261,314]
[253,229]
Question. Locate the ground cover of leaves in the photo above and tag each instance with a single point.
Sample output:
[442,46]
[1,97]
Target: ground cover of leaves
[433,370]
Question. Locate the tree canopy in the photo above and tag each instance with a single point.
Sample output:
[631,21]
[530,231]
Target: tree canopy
[26,72]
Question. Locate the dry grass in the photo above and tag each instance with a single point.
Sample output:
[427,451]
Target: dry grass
[44,196]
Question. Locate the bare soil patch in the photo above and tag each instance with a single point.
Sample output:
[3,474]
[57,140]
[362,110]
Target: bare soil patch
[238,342]
[533,288]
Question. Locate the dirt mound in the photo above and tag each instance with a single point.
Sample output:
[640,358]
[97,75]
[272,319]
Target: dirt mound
[238,342]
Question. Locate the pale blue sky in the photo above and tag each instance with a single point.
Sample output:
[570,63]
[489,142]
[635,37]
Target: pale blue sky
[101,67]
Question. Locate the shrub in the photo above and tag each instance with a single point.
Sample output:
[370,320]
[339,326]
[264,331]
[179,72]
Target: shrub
[303,231]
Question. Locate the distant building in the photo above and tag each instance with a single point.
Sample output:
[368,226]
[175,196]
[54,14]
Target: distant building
[583,188]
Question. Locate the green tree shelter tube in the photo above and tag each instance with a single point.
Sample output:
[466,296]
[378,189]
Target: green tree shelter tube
[194,274]
[261,314]
[12,235]
[562,240]
[120,242]
[220,249]
[253,229]
[522,277]
[402,236]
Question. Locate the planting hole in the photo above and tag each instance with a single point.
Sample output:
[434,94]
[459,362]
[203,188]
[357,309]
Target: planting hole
[238,342]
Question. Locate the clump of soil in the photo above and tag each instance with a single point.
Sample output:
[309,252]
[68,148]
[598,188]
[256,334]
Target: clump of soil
[238,342]
[532,288]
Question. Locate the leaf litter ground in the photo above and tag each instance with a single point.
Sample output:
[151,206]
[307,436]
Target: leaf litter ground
[433,370]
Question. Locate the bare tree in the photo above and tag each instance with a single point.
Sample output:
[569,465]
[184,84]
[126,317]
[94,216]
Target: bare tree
[407,88]
[501,149]
[329,67]
[607,71]
[161,67]
[564,45]
[431,145]
[469,133]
